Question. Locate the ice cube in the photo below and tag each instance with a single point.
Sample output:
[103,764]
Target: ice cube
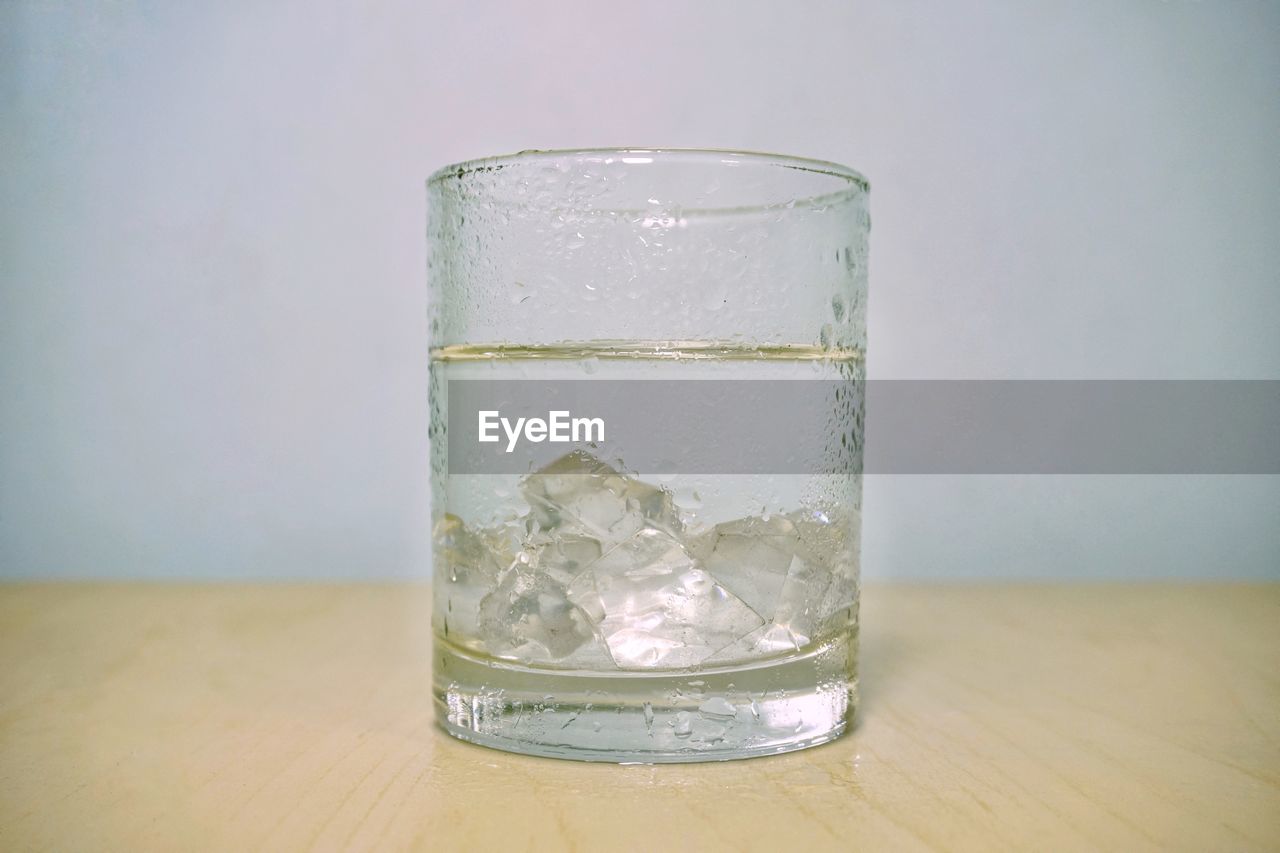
[829,538]
[806,601]
[658,607]
[751,557]
[530,618]
[468,563]
[799,612]
[564,558]
[839,605]
[467,556]
[578,493]
[825,582]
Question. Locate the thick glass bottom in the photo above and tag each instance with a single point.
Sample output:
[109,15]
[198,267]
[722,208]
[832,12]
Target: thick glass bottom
[762,708]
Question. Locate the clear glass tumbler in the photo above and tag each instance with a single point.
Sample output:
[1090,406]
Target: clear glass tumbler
[604,608]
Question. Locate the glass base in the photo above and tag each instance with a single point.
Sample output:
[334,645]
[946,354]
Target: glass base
[763,708]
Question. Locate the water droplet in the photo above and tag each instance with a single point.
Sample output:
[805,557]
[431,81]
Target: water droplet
[718,706]
[710,733]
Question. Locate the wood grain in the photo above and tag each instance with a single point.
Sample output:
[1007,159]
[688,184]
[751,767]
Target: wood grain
[146,717]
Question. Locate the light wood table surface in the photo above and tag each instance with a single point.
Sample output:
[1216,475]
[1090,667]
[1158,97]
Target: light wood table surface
[149,717]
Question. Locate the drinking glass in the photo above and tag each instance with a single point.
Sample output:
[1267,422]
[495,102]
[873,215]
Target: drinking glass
[682,584]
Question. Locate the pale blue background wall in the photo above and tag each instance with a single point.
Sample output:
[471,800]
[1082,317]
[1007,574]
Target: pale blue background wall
[212,326]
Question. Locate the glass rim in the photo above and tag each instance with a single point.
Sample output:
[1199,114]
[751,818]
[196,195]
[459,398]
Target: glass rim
[855,181]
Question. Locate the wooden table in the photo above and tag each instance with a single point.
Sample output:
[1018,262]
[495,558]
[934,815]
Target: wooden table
[145,717]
